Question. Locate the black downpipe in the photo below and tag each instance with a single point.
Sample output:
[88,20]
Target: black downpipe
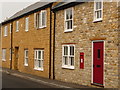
[11,46]
[50,41]
[54,46]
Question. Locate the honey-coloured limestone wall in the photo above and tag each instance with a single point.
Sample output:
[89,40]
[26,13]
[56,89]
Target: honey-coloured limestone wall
[85,30]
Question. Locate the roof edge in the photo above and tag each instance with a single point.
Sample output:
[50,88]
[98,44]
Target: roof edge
[28,13]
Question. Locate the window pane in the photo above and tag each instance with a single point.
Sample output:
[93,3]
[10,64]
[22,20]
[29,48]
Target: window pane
[26,61]
[70,24]
[70,13]
[5,31]
[35,54]
[17,25]
[65,50]
[39,63]
[39,54]
[67,24]
[98,53]
[26,24]
[35,63]
[72,61]
[67,14]
[39,20]
[97,5]
[65,60]
[4,54]
[100,5]
[100,14]
[71,50]
[42,54]
[43,18]
[26,53]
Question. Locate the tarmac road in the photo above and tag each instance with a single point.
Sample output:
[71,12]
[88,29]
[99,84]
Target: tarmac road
[9,81]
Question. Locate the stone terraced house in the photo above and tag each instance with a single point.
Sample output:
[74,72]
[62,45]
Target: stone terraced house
[86,43]
[75,42]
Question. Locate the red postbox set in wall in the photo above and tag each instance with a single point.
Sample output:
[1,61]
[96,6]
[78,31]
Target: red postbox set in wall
[81,60]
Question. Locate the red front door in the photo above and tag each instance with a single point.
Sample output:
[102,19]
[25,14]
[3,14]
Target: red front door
[98,52]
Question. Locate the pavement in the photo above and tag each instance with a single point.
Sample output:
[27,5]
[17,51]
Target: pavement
[41,80]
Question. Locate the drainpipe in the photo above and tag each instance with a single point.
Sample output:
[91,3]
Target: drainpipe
[50,41]
[11,46]
[54,46]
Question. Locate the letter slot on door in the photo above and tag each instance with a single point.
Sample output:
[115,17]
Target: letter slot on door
[81,60]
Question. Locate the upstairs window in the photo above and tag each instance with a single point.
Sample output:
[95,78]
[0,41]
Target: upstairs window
[98,8]
[5,31]
[17,26]
[40,19]
[69,19]
[10,28]
[26,24]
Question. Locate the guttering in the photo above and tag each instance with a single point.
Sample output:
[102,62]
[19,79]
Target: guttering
[54,45]
[11,45]
[50,42]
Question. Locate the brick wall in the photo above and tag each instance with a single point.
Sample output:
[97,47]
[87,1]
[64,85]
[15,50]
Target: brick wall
[33,39]
[6,44]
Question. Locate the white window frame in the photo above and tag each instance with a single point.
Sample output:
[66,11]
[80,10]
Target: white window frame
[25,57]
[17,26]
[68,56]
[10,28]
[43,11]
[65,25]
[37,60]
[10,54]
[38,19]
[27,24]
[4,54]
[5,31]
[95,15]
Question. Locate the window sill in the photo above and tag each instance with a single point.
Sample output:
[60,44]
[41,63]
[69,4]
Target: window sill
[3,60]
[70,30]
[42,27]
[17,30]
[25,64]
[26,30]
[68,67]
[38,69]
[97,20]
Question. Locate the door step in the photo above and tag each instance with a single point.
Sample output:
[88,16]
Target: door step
[97,84]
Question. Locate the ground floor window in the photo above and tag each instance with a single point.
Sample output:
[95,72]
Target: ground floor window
[68,55]
[38,59]
[10,54]
[4,54]
[26,57]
